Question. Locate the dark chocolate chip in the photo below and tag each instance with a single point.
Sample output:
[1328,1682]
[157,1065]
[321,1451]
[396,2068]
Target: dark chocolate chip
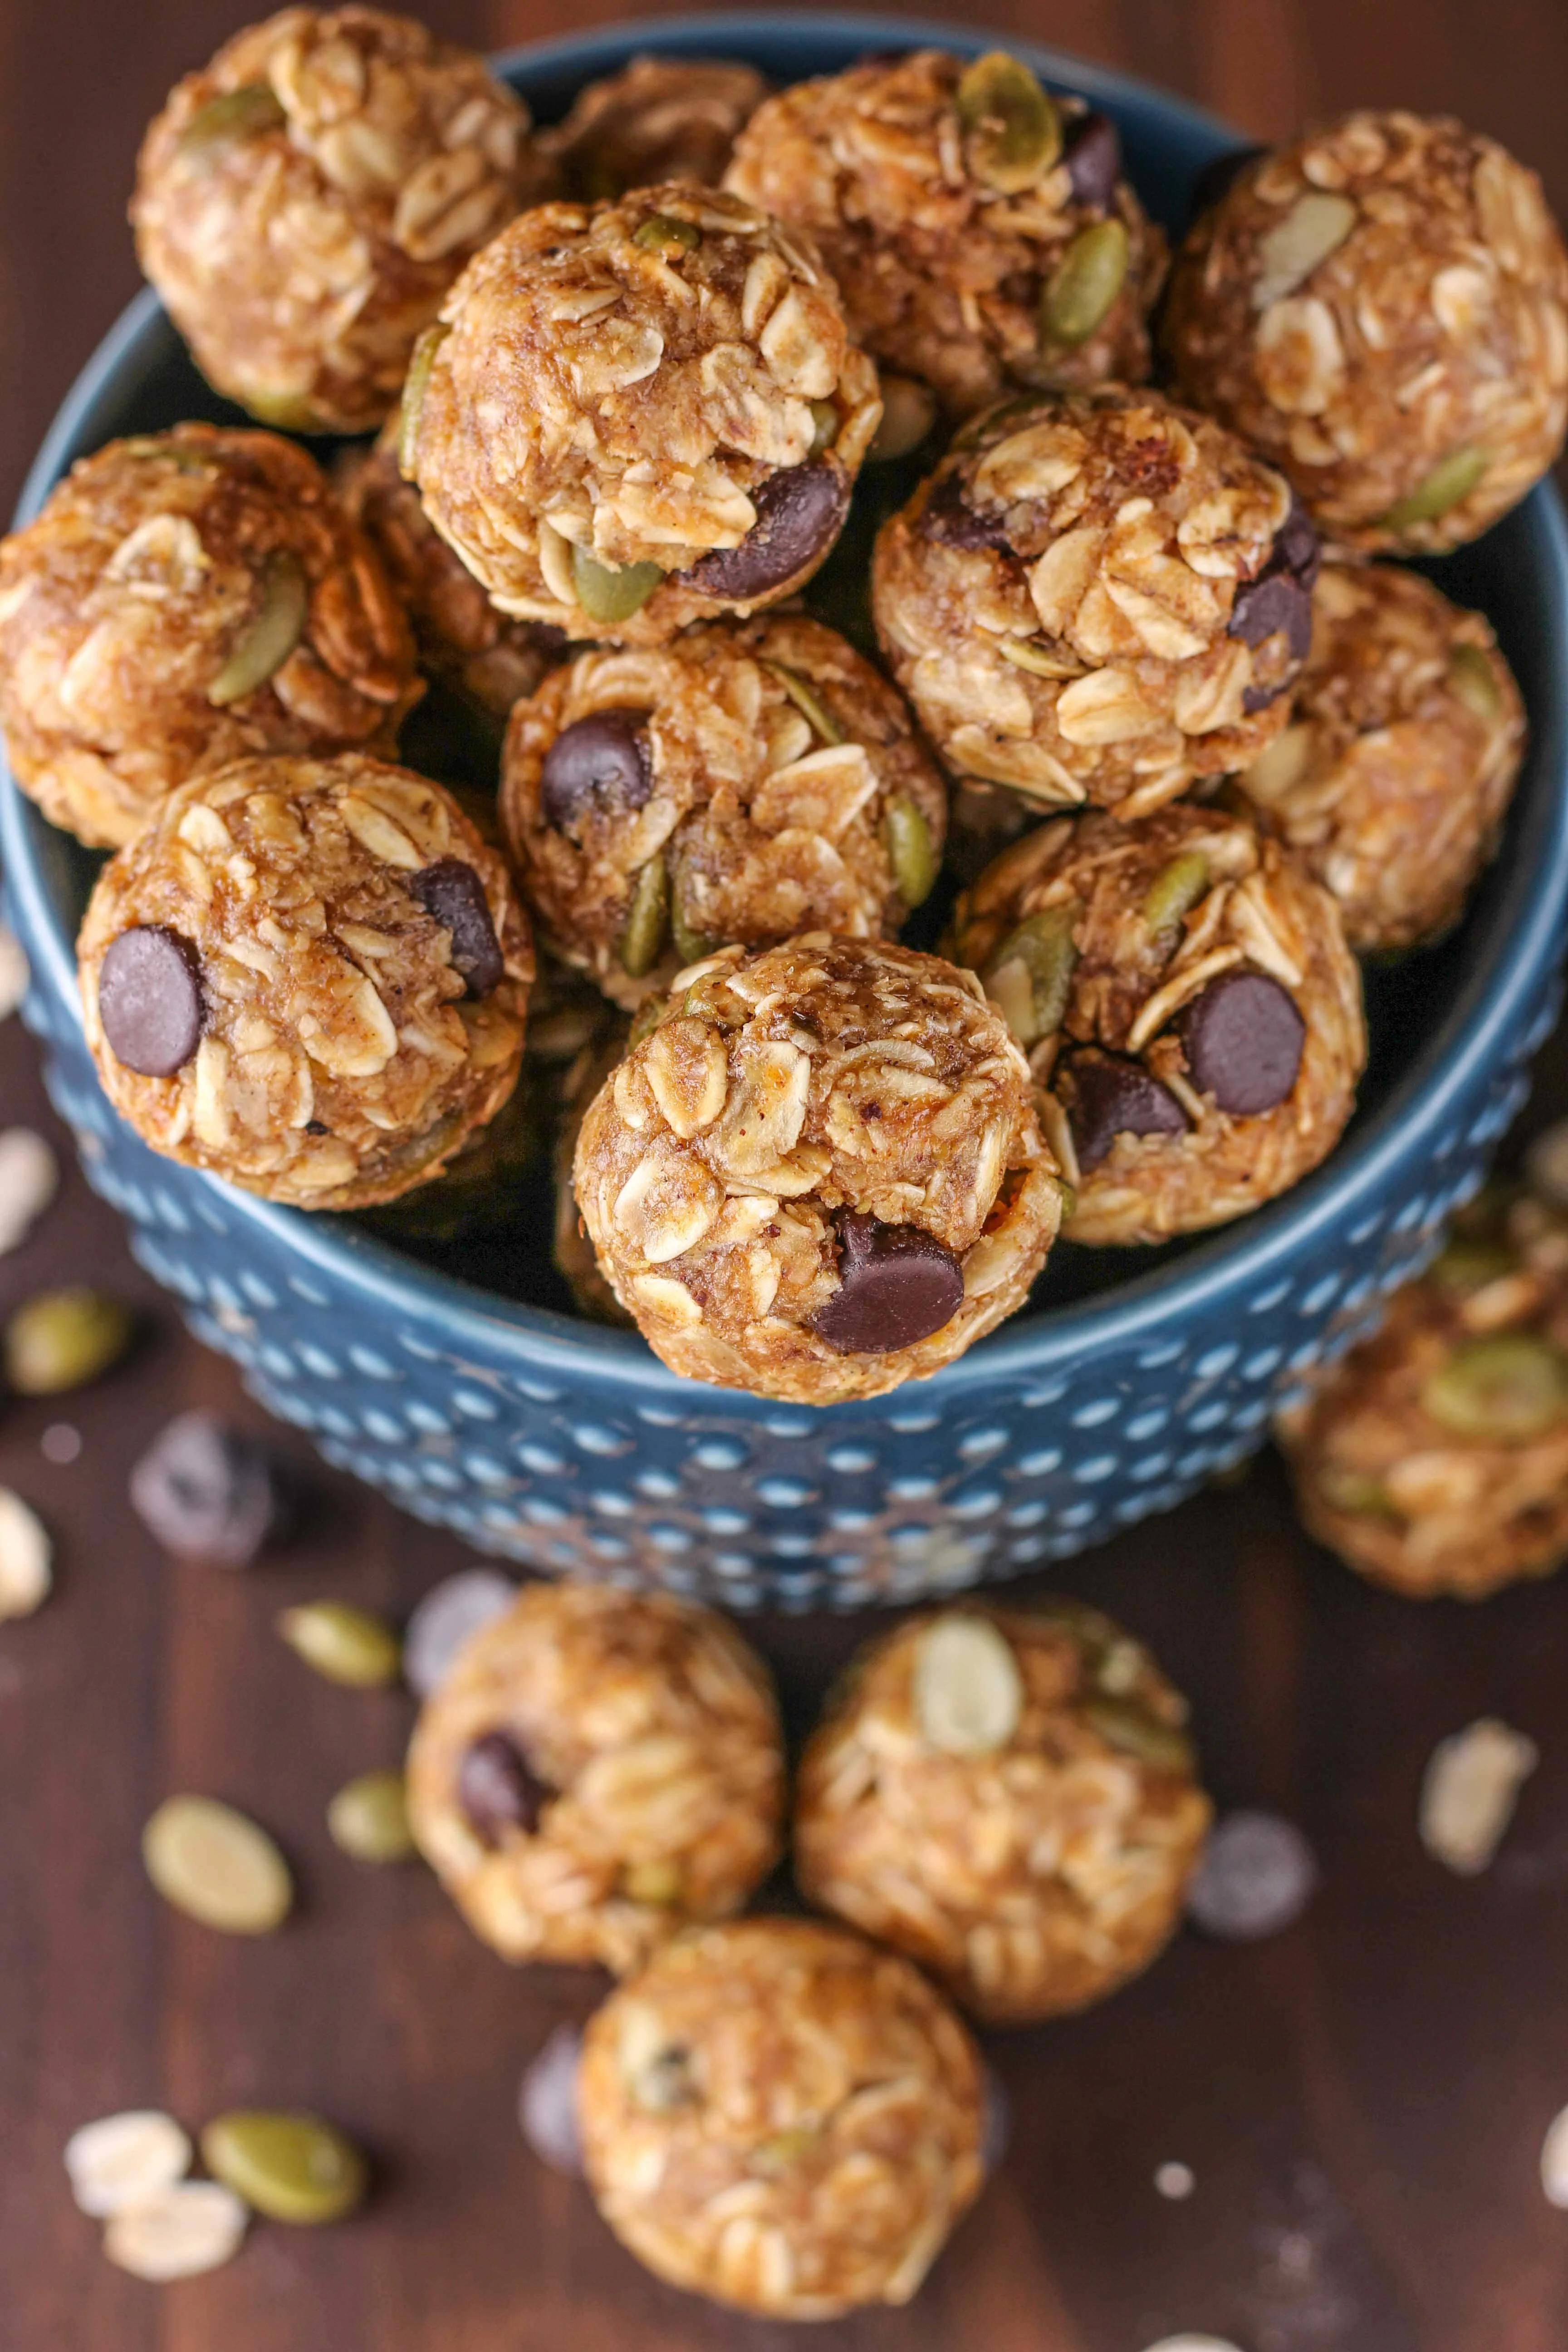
[452,894]
[1275,600]
[601,763]
[498,1789]
[1259,698]
[896,1284]
[1297,549]
[150,999]
[1093,159]
[1114,1096]
[949,518]
[1219,176]
[1244,1037]
[209,1491]
[800,513]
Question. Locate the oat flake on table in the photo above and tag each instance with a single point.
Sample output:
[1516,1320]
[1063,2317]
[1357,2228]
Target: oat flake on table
[1469,1792]
[30,1179]
[26,1554]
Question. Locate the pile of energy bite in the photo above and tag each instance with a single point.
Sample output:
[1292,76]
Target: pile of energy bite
[626,373]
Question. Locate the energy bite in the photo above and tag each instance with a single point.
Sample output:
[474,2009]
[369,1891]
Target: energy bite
[1009,1798]
[185,599]
[818,1172]
[978,225]
[461,636]
[1185,995]
[599,1770]
[748,782]
[658,118]
[1097,597]
[304,202]
[1391,781]
[777,2116]
[1434,1458]
[1381,309]
[638,415]
[308,977]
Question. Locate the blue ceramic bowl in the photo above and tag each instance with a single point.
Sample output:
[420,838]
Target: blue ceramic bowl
[1130,1378]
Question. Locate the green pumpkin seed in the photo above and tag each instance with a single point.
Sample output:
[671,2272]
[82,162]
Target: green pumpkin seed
[1043,945]
[343,1644]
[908,412]
[1028,653]
[1087,280]
[292,2168]
[216,1867]
[823,427]
[657,1883]
[1354,1491]
[1467,1261]
[690,946]
[911,853]
[609,592]
[1450,482]
[1013,132]
[1473,680]
[1505,1389]
[64,1338]
[646,919]
[807,701]
[368,1819]
[286,411]
[662,232]
[415,384]
[270,636]
[224,122]
[1123,1724]
[1175,891]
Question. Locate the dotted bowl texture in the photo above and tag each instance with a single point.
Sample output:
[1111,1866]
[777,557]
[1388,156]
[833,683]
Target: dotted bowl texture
[1129,1381]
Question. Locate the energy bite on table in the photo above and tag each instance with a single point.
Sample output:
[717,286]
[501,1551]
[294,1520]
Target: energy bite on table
[185,599]
[1097,597]
[599,1770]
[304,202]
[639,414]
[1184,992]
[818,1172]
[308,977]
[1434,1458]
[748,782]
[658,118]
[978,225]
[1382,308]
[779,2116]
[1009,1798]
[1391,781]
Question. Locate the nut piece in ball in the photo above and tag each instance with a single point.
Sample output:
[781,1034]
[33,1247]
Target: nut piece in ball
[597,1770]
[1381,309]
[187,599]
[308,977]
[304,202]
[776,2114]
[658,118]
[818,1172]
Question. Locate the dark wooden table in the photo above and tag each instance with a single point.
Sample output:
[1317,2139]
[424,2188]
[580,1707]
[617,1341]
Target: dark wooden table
[1362,2100]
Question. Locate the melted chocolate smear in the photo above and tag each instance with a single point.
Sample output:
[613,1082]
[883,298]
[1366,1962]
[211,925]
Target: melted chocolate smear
[1093,159]
[453,896]
[1114,1096]
[800,513]
[601,763]
[499,1790]
[1243,1038]
[150,999]
[896,1285]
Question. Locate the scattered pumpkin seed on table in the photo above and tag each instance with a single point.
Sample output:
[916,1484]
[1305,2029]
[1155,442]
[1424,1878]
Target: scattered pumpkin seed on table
[291,2166]
[217,1866]
[64,1339]
[343,1644]
[368,1819]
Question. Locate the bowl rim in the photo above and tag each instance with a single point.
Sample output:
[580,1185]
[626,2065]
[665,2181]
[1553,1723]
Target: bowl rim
[1480,1028]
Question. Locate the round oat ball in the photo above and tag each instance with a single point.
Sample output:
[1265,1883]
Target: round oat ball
[308,977]
[636,415]
[978,225]
[1011,1799]
[491,658]
[750,781]
[1185,996]
[599,1769]
[1393,778]
[1097,597]
[818,1172]
[1381,309]
[777,2116]
[188,599]
[304,202]
[1434,1457]
[658,118]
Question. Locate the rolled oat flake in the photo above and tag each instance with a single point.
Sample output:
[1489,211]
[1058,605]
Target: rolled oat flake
[547,2102]
[30,1179]
[450,1613]
[1256,1878]
[125,2160]
[26,1557]
[194,2226]
[1469,1792]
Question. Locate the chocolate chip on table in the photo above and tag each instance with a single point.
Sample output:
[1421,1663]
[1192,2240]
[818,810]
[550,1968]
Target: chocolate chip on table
[1256,1878]
[452,894]
[600,763]
[800,513]
[498,1789]
[150,999]
[205,1491]
[1114,1096]
[949,518]
[547,2103]
[1243,1038]
[1093,159]
[450,1612]
[896,1285]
